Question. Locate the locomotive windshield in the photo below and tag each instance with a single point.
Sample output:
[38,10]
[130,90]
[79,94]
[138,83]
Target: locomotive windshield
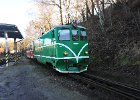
[83,35]
[75,35]
[64,34]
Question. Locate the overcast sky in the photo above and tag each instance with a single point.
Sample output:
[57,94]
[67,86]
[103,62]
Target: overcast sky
[15,12]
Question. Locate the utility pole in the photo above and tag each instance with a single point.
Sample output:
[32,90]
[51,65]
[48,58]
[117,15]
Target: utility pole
[15,50]
[6,47]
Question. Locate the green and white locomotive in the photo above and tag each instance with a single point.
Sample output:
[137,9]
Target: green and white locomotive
[65,47]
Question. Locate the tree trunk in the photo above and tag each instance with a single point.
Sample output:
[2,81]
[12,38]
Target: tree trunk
[87,10]
[61,16]
[83,15]
[93,6]
[103,7]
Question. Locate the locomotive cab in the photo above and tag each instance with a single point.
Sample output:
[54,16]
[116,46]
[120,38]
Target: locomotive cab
[71,49]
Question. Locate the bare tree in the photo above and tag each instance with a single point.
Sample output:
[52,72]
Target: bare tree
[53,3]
[90,6]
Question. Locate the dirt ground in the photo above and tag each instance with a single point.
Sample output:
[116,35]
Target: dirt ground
[24,81]
[28,80]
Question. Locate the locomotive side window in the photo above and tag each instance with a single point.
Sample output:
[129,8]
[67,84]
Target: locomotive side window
[64,34]
[75,35]
[83,35]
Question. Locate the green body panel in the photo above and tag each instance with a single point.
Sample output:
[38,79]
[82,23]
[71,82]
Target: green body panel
[74,46]
[49,49]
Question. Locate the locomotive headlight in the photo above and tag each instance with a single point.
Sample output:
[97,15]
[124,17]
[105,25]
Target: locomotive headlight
[65,53]
[86,52]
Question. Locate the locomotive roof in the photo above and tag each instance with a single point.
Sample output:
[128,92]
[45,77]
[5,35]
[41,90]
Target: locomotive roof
[69,26]
[11,29]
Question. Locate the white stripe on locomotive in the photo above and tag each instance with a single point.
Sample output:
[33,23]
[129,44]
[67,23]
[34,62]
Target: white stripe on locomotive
[76,57]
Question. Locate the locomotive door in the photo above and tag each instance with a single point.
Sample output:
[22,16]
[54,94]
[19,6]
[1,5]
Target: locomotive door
[53,44]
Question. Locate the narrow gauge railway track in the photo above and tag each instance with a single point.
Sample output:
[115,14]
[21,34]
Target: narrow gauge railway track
[116,87]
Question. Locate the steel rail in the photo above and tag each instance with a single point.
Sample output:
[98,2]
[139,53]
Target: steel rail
[116,87]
